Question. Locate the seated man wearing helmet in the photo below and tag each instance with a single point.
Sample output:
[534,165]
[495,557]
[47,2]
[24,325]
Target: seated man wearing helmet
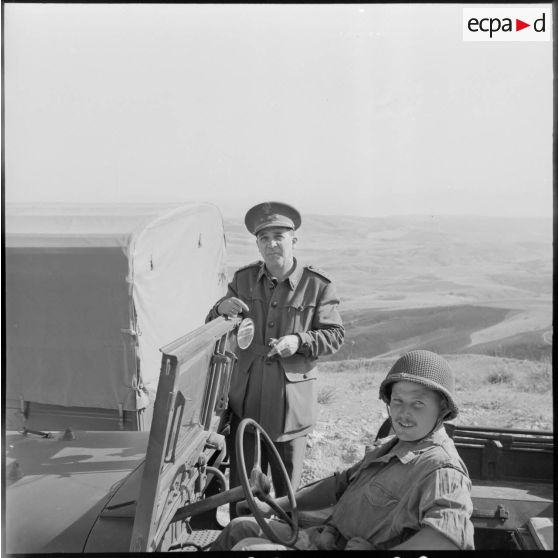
[410,492]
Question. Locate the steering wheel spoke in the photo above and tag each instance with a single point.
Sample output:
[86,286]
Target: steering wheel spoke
[258,450]
[279,511]
[259,485]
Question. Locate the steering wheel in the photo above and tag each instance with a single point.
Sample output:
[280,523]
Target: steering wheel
[259,485]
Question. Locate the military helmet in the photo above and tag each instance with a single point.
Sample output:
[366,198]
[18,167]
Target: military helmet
[425,368]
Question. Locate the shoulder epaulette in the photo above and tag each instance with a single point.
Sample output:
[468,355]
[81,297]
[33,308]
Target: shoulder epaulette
[248,266]
[319,272]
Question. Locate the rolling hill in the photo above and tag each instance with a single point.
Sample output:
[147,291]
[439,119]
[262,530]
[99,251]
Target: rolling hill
[449,284]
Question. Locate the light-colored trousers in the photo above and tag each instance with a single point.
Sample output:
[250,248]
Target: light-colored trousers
[244,533]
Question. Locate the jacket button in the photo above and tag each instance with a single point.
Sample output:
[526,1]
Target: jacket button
[271,324]
[274,303]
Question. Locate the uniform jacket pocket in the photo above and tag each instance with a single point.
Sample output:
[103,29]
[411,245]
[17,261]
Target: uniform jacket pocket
[300,315]
[301,406]
[299,367]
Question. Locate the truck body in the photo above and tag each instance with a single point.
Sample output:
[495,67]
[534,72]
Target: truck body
[92,293]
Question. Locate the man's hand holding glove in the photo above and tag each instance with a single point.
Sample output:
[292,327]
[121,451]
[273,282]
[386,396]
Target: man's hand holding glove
[285,346]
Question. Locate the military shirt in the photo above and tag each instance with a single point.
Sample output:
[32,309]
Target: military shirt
[400,487]
[280,393]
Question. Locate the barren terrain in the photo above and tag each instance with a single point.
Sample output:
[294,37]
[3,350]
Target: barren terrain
[474,285]
[477,290]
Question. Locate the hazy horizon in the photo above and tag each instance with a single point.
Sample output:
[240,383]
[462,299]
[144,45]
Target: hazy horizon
[229,215]
[351,109]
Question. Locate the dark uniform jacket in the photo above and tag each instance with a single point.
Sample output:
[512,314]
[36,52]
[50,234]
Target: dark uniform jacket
[280,393]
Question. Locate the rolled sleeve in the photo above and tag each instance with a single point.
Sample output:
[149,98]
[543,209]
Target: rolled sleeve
[446,506]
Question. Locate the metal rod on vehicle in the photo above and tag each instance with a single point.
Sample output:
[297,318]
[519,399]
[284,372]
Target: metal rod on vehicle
[37,432]
[211,502]
[458,429]
[504,438]
[218,474]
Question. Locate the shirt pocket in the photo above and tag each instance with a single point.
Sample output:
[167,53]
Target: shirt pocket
[384,505]
[366,510]
[300,316]
[378,495]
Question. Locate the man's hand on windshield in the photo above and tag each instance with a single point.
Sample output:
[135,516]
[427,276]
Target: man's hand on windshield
[231,307]
[285,346]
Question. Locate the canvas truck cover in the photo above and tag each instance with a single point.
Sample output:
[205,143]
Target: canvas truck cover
[93,292]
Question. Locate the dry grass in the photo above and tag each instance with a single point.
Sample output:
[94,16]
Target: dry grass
[326,395]
[473,371]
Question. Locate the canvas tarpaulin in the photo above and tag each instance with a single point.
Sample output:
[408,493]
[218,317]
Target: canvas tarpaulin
[93,292]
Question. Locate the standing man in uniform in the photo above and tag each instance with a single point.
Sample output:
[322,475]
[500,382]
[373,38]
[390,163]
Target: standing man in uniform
[294,309]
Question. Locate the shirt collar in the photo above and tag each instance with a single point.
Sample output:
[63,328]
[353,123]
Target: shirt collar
[296,274]
[262,271]
[293,279]
[404,451]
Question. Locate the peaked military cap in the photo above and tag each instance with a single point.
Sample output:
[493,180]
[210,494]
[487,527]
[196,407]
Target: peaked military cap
[272,214]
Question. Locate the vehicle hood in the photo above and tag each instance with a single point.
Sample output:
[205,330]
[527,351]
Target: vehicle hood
[59,486]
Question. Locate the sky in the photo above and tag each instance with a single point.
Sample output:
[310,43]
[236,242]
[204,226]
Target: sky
[353,109]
